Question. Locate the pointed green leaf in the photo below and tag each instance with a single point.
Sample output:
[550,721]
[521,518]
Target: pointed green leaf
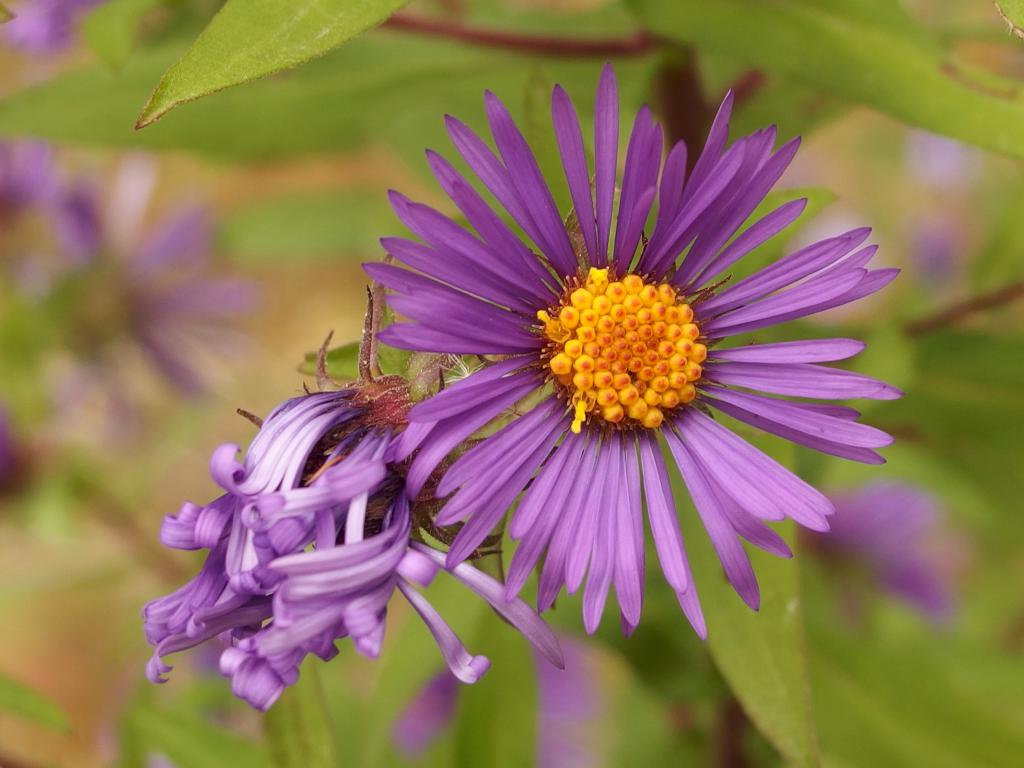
[24,702]
[110,29]
[854,56]
[1012,12]
[298,727]
[5,14]
[339,101]
[249,39]
[761,654]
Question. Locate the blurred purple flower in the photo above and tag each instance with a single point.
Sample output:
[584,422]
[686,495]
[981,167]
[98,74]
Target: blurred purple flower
[568,703]
[177,311]
[46,27]
[429,713]
[895,532]
[8,449]
[935,243]
[29,183]
[940,162]
[317,474]
[27,175]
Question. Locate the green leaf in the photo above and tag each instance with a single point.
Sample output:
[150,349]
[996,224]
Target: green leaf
[895,706]
[338,225]
[190,741]
[342,362]
[496,717]
[379,88]
[24,702]
[856,57]
[762,654]
[110,29]
[1012,12]
[298,727]
[999,261]
[5,14]
[249,39]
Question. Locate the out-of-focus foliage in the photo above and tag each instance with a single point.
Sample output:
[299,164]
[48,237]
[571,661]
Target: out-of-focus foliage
[882,59]
[111,29]
[25,702]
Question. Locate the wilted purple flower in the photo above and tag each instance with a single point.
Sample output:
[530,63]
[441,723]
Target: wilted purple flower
[45,27]
[316,474]
[568,707]
[622,335]
[895,532]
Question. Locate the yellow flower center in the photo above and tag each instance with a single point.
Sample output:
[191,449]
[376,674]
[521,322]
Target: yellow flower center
[625,350]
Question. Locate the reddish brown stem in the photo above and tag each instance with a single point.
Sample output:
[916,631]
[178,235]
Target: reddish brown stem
[954,313]
[637,44]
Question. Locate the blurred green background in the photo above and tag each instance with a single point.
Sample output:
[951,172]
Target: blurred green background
[912,115]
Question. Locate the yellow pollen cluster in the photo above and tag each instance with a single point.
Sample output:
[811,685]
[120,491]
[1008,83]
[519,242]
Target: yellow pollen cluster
[625,350]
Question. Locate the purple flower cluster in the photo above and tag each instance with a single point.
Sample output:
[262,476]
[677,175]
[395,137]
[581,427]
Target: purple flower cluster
[306,546]
[621,341]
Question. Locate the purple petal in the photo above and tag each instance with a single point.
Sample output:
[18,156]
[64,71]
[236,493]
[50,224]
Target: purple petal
[730,552]
[515,611]
[547,229]
[802,380]
[808,351]
[463,665]
[574,162]
[606,148]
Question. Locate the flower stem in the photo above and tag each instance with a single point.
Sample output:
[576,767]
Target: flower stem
[637,44]
[953,314]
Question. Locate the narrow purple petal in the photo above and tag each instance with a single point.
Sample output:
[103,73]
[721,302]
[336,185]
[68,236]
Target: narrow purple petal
[516,611]
[574,161]
[802,380]
[808,351]
[606,148]
[731,554]
[753,237]
[463,665]
[547,230]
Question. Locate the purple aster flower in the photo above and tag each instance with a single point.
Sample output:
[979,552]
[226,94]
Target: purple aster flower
[45,27]
[568,704]
[307,545]
[895,532]
[619,340]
